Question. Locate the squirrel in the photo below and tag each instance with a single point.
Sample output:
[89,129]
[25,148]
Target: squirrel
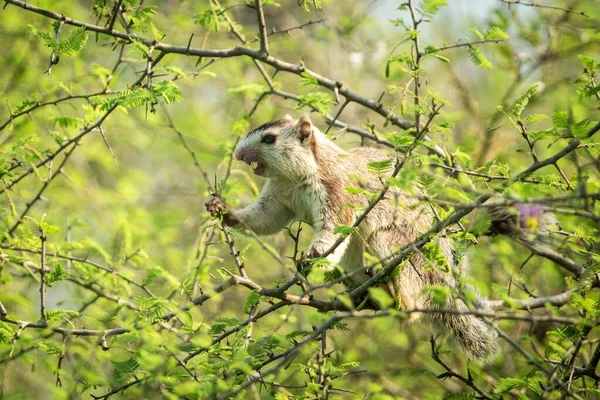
[307,179]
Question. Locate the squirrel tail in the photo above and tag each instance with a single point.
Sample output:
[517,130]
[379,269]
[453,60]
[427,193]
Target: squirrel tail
[475,336]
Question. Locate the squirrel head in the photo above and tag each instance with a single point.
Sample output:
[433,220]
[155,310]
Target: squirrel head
[284,147]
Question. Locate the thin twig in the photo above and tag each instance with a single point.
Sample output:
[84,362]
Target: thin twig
[538,5]
[43,276]
[262,28]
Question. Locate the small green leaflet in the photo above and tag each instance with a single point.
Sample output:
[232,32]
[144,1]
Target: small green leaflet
[308,80]
[495,33]
[343,230]
[432,7]
[317,100]
[381,297]
[380,168]
[70,46]
[251,301]
[124,368]
[523,101]
[479,58]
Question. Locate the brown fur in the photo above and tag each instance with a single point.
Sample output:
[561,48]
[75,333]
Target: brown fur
[308,176]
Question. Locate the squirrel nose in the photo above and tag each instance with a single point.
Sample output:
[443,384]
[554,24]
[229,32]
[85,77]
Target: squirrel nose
[239,155]
[246,155]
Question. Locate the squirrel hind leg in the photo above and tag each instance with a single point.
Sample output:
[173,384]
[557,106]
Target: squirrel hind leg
[353,259]
[407,285]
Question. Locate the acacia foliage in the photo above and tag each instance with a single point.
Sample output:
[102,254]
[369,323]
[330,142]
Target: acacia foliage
[120,117]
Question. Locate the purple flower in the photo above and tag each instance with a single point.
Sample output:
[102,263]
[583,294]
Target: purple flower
[531,216]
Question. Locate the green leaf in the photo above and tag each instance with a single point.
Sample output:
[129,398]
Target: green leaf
[74,43]
[317,4]
[344,230]
[111,314]
[49,229]
[25,104]
[271,3]
[381,297]
[505,385]
[340,326]
[530,119]
[121,246]
[456,194]
[47,38]
[143,13]
[476,32]
[6,333]
[348,365]
[151,308]
[588,62]
[24,142]
[50,347]
[401,139]
[101,72]
[140,48]
[66,121]
[560,119]
[441,58]
[380,168]
[251,301]
[357,190]
[320,101]
[124,368]
[523,101]
[459,396]
[411,109]
[70,46]
[495,33]
[481,223]
[251,88]
[94,247]
[589,390]
[210,18]
[152,273]
[168,90]
[431,49]
[439,294]
[478,58]
[306,79]
[592,91]
[432,7]
[175,71]
[129,98]
[66,315]
[158,35]
[221,324]
[57,274]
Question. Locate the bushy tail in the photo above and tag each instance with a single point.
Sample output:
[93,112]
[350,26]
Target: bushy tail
[475,336]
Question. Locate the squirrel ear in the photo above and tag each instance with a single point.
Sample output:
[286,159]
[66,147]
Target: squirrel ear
[304,129]
[288,117]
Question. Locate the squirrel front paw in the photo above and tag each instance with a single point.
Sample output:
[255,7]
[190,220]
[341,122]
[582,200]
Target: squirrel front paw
[217,206]
[304,263]
[315,251]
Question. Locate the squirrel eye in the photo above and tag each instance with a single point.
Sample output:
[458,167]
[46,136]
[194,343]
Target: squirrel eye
[268,139]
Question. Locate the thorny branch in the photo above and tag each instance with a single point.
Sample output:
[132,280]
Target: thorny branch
[538,5]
